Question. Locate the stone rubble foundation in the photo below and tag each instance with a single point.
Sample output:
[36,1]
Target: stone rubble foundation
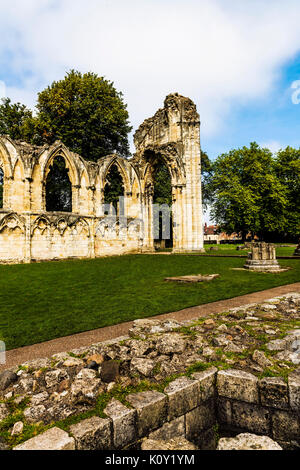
[212,386]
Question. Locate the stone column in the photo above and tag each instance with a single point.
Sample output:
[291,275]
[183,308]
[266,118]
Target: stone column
[75,198]
[191,196]
[27,254]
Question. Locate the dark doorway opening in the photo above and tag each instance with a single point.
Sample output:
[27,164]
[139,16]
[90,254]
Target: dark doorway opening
[58,187]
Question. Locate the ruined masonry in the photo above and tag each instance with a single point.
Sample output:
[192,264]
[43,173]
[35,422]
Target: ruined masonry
[29,233]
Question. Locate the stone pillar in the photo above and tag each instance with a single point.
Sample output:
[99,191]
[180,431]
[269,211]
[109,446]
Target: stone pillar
[148,221]
[27,254]
[191,195]
[75,198]
[27,194]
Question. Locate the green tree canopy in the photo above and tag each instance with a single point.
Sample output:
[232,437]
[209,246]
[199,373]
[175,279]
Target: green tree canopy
[58,187]
[86,113]
[162,184]
[247,194]
[206,173]
[16,121]
[287,168]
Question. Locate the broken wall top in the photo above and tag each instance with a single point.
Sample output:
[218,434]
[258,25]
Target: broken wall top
[167,123]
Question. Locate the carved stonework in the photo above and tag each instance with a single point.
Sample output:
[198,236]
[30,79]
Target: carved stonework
[28,232]
[262,258]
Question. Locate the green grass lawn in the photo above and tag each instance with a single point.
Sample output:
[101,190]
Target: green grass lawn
[39,302]
[229,249]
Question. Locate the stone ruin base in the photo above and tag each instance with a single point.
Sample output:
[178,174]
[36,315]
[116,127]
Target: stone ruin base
[262,258]
[297,251]
[269,266]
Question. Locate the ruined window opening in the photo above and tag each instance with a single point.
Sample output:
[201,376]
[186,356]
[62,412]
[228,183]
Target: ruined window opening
[114,192]
[1,187]
[162,195]
[58,187]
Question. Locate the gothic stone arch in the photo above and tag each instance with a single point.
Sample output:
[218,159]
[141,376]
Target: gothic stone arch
[28,232]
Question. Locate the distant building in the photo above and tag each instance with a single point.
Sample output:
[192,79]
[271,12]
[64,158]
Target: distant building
[212,234]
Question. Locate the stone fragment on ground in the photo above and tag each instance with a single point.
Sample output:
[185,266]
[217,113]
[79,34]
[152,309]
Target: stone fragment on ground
[53,439]
[7,378]
[193,278]
[248,441]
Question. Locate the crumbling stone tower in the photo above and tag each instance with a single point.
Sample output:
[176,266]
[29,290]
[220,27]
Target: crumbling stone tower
[173,134]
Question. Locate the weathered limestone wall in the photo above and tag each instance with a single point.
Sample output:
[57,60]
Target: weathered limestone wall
[28,232]
[269,406]
[173,134]
[191,408]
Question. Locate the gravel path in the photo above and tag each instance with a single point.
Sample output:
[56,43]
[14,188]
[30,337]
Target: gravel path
[48,348]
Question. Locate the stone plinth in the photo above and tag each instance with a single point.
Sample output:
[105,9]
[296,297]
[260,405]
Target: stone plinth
[262,258]
[297,251]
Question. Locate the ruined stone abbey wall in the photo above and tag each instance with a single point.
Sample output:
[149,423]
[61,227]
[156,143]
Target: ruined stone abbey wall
[28,232]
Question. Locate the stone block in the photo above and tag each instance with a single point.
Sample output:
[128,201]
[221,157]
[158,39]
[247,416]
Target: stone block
[274,392]
[224,411]
[123,419]
[92,434]
[53,439]
[248,442]
[171,343]
[183,396]
[7,378]
[207,440]
[238,385]
[199,419]
[110,371]
[178,443]
[207,383]
[250,417]
[35,413]
[174,428]
[294,391]
[285,425]
[151,410]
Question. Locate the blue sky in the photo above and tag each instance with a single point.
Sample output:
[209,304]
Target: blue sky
[272,121]
[237,59]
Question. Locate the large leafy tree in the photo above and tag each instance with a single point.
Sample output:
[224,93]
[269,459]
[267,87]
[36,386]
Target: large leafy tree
[248,196]
[206,173]
[86,113]
[16,121]
[287,168]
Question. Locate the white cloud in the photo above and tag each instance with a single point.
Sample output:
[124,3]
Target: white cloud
[218,52]
[272,145]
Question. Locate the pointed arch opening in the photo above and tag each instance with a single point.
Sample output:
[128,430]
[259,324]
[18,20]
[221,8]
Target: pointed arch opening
[162,200]
[158,186]
[58,187]
[114,191]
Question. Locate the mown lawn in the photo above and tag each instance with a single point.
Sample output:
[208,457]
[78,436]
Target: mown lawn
[230,249]
[39,302]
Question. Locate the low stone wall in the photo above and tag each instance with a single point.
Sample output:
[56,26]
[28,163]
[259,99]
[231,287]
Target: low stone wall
[236,372]
[197,408]
[269,406]
[186,408]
